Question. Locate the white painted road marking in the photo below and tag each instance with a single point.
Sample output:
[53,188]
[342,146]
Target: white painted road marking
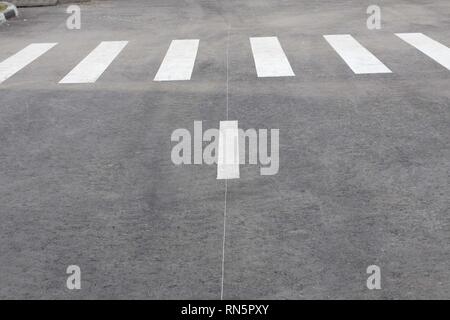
[23,58]
[228,153]
[435,50]
[179,61]
[358,58]
[93,66]
[270,59]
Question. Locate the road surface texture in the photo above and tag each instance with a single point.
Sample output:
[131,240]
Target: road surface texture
[86,172]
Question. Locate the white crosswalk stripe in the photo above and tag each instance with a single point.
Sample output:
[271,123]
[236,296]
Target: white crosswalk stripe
[228,153]
[21,59]
[93,66]
[358,58]
[178,64]
[435,50]
[270,59]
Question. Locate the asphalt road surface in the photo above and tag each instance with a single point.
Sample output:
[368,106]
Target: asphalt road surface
[86,176]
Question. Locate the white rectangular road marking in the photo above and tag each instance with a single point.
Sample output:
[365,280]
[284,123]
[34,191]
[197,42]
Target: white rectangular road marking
[270,59]
[435,50]
[23,58]
[358,58]
[228,153]
[95,63]
[179,61]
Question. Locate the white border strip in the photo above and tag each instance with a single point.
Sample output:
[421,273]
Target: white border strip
[228,153]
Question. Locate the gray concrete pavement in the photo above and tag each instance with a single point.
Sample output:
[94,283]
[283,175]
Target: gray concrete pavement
[87,179]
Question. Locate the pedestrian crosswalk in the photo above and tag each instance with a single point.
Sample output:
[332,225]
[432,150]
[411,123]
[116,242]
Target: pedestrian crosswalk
[178,64]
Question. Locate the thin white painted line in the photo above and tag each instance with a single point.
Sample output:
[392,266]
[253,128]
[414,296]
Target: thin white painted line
[95,63]
[178,64]
[226,181]
[224,238]
[228,68]
[435,50]
[358,58]
[21,59]
[228,153]
[270,59]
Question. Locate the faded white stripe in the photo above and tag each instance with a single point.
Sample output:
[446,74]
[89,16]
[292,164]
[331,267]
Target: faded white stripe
[94,64]
[228,153]
[179,61]
[270,59]
[358,58]
[435,50]
[23,58]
